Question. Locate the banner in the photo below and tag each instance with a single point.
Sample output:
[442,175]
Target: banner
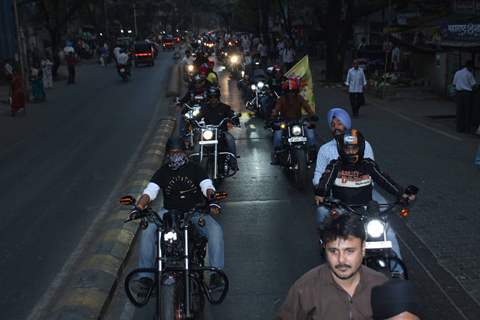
[302,70]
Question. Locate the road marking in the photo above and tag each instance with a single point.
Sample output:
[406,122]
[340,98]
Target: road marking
[47,298]
[441,132]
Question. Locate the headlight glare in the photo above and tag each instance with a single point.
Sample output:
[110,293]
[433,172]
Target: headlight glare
[375,228]
[260,84]
[207,134]
[296,130]
[253,87]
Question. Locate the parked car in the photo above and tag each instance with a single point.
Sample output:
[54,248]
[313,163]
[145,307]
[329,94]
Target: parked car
[144,54]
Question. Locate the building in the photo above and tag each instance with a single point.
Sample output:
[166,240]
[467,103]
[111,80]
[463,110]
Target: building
[7,25]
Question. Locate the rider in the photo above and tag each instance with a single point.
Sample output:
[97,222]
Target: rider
[339,121]
[289,107]
[212,76]
[198,87]
[214,112]
[350,179]
[123,61]
[341,287]
[185,185]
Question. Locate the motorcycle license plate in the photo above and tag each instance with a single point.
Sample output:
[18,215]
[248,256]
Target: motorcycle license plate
[122,70]
[297,139]
[208,142]
[378,244]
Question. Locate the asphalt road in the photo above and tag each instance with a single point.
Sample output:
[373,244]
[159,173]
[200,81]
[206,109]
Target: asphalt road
[269,226]
[60,165]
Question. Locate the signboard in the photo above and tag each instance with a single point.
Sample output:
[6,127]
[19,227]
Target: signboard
[464,5]
[461,32]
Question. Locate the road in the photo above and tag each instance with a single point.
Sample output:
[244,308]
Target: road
[59,165]
[270,228]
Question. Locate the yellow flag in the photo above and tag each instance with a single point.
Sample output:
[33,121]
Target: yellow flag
[302,70]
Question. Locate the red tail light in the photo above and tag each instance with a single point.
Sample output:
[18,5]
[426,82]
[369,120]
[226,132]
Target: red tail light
[143,54]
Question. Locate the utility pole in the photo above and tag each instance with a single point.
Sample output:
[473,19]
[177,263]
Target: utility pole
[135,19]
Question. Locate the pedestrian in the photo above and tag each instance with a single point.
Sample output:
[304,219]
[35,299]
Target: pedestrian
[395,300]
[464,83]
[17,93]
[71,62]
[263,51]
[47,72]
[36,83]
[288,56]
[340,288]
[356,83]
[396,54]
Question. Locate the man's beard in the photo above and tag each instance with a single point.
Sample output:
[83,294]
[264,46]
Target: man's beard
[338,266]
[337,132]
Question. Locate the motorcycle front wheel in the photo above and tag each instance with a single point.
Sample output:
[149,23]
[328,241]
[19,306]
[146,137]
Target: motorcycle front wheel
[300,169]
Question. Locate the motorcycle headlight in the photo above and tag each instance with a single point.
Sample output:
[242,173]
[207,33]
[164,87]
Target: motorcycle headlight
[225,54]
[207,134]
[234,59]
[190,67]
[260,84]
[188,115]
[196,112]
[243,73]
[170,236]
[296,130]
[253,87]
[375,228]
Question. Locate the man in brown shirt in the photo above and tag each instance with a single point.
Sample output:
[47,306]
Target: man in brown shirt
[341,288]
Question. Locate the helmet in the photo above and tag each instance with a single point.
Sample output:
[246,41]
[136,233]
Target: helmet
[203,69]
[211,64]
[291,84]
[351,146]
[213,92]
[175,143]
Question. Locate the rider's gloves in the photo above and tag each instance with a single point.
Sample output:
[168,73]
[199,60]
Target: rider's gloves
[134,214]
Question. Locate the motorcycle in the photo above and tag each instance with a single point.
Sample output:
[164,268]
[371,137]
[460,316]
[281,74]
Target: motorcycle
[234,65]
[180,283]
[295,156]
[190,114]
[262,101]
[216,162]
[379,253]
[124,72]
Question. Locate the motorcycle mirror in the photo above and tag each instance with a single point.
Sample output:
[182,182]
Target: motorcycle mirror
[127,200]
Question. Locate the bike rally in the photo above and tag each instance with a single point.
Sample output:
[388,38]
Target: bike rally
[181,259]
[240,160]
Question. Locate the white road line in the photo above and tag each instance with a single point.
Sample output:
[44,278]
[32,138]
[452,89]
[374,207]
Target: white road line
[441,132]
[40,308]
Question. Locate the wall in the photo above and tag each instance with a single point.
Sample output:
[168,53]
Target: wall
[7,27]
[432,69]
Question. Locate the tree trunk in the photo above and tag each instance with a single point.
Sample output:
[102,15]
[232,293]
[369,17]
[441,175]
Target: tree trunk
[339,32]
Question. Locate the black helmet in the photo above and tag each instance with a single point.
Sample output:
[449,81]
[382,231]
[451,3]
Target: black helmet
[213,92]
[175,143]
[351,146]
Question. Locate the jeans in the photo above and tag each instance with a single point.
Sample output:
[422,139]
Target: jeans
[323,212]
[464,111]
[309,132]
[212,230]
[230,142]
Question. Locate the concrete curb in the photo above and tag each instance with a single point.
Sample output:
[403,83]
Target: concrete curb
[87,292]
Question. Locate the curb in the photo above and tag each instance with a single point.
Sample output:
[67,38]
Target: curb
[174,85]
[87,293]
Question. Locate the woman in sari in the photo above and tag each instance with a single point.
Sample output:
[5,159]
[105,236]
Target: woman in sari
[17,93]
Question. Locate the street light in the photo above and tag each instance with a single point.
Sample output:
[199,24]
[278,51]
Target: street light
[121,31]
